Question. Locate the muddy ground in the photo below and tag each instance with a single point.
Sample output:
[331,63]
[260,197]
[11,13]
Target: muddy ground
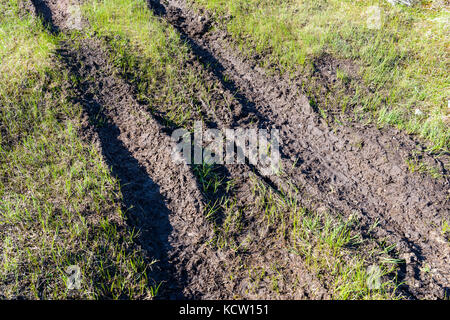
[353,169]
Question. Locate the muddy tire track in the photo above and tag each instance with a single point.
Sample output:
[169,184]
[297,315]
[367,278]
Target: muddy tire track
[354,169]
[161,196]
[371,180]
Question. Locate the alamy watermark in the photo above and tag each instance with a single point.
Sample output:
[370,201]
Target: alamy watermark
[257,147]
[374,277]
[373,17]
[74,17]
[74,277]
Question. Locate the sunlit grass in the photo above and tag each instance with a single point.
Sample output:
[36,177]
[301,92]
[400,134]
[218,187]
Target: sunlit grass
[59,204]
[330,246]
[404,63]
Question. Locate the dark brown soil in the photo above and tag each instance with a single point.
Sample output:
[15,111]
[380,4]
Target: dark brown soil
[352,169]
[164,201]
[54,12]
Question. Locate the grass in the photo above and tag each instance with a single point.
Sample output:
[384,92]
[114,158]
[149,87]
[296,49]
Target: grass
[445,229]
[401,67]
[415,165]
[59,204]
[330,246]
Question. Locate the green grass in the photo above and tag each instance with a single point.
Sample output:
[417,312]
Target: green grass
[331,247]
[403,66]
[59,205]
[445,229]
[415,165]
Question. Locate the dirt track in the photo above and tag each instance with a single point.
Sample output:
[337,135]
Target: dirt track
[352,169]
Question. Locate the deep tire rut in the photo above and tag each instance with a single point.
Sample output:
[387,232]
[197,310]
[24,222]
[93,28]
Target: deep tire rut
[162,197]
